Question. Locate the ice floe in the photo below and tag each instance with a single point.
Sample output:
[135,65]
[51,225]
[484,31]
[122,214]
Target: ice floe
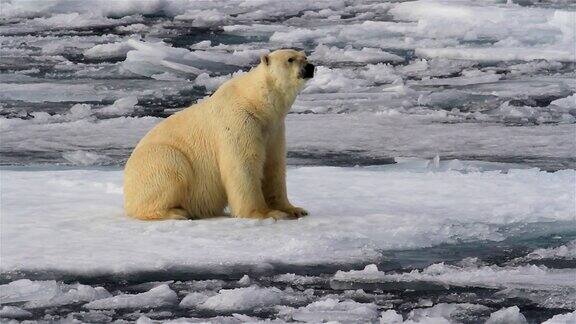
[155,297]
[469,205]
[40,294]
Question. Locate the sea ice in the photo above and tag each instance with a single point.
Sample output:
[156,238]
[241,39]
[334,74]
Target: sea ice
[195,299]
[567,252]
[510,315]
[454,312]
[328,54]
[242,299]
[85,206]
[390,317]
[14,312]
[529,276]
[567,318]
[155,297]
[122,106]
[326,310]
[40,294]
[108,50]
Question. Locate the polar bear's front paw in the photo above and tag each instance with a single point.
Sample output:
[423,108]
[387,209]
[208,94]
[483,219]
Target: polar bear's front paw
[277,215]
[295,212]
[266,213]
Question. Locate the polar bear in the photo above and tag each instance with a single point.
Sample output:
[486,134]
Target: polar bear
[228,149]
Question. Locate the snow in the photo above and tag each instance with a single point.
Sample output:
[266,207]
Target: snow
[510,315]
[155,297]
[85,206]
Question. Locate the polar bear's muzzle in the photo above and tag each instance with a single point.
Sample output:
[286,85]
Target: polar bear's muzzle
[308,71]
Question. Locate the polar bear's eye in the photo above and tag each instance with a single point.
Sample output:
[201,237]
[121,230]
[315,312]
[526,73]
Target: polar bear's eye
[290,60]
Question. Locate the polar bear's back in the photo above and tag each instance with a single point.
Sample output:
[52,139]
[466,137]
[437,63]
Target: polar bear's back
[179,152]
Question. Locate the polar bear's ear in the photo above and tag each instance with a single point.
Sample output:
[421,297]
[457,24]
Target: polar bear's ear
[265,59]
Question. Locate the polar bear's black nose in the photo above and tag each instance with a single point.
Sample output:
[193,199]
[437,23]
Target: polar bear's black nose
[308,71]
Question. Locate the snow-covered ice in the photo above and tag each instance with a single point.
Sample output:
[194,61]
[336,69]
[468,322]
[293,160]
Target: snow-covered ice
[562,319]
[155,297]
[41,294]
[424,60]
[327,310]
[85,207]
[509,315]
[248,298]
[535,277]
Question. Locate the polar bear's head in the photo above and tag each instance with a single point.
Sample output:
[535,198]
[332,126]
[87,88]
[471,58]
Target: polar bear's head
[289,68]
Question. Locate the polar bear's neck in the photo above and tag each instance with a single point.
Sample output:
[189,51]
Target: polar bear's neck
[275,97]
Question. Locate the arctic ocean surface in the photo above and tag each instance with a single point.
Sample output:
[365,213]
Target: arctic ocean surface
[434,149]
